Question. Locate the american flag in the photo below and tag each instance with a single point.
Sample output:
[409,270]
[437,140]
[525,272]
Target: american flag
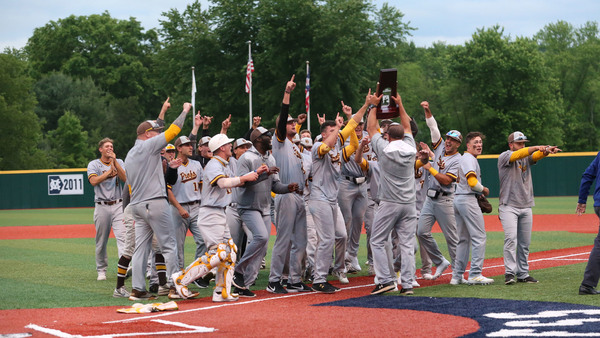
[307,90]
[249,71]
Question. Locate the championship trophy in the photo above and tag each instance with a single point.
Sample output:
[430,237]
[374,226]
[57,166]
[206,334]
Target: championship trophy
[387,85]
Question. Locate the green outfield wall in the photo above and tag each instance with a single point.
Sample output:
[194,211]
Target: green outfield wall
[556,175]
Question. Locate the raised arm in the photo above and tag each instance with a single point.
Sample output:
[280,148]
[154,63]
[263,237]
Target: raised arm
[431,123]
[161,116]
[285,108]
[404,118]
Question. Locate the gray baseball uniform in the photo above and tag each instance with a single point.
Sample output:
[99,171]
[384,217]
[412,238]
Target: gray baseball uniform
[322,203]
[188,192]
[439,206]
[514,211]
[396,210]
[212,219]
[149,205]
[352,199]
[254,206]
[469,221]
[108,211]
[290,208]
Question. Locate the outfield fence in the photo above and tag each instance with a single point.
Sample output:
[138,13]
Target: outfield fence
[557,175]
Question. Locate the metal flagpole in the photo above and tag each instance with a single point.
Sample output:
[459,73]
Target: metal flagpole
[249,74]
[193,97]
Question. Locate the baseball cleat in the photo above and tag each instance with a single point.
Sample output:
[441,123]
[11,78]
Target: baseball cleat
[427,276]
[121,293]
[480,280]
[101,275]
[509,279]
[527,279]
[406,292]
[587,290]
[141,295]
[415,284]
[458,281]
[441,268]
[238,280]
[217,297]
[276,287]
[163,290]
[341,276]
[383,288]
[323,288]
[244,292]
[298,287]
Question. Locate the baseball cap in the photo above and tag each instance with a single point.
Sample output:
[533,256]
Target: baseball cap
[290,118]
[217,141]
[170,147]
[319,138]
[147,126]
[306,142]
[256,133]
[455,135]
[517,136]
[182,140]
[240,142]
[296,139]
[204,140]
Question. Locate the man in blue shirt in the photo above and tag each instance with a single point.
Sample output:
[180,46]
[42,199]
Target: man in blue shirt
[592,270]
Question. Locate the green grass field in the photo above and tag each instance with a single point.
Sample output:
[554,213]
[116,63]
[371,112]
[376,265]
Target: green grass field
[50,273]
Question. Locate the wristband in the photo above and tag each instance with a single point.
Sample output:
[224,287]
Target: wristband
[371,106]
[432,171]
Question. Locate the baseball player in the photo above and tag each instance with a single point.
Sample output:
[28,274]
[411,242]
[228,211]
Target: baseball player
[352,196]
[149,204]
[439,204]
[184,197]
[592,269]
[396,194]
[218,182]
[289,208]
[202,154]
[469,219]
[515,203]
[106,175]
[254,207]
[323,201]
[237,229]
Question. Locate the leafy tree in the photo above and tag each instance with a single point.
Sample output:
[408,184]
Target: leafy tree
[20,131]
[572,55]
[69,143]
[500,86]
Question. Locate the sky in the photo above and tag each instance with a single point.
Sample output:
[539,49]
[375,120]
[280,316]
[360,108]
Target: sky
[451,21]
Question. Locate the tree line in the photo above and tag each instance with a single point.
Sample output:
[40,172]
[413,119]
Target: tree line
[82,78]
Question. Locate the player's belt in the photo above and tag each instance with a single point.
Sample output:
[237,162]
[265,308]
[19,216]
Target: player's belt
[110,202]
[356,180]
[233,205]
[190,203]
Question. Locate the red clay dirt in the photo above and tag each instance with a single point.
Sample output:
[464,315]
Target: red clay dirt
[587,223]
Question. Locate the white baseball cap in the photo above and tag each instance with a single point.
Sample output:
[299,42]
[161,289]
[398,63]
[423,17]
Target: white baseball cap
[240,142]
[296,139]
[217,141]
[204,140]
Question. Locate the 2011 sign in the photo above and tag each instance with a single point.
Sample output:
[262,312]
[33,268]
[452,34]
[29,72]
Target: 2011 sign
[65,184]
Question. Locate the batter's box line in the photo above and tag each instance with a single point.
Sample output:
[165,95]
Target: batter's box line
[192,329]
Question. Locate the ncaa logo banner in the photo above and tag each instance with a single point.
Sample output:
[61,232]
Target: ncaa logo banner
[65,184]
[496,317]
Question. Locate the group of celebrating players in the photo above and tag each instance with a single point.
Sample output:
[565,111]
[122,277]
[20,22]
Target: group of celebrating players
[318,194]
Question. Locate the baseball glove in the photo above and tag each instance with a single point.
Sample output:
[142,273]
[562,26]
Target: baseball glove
[484,204]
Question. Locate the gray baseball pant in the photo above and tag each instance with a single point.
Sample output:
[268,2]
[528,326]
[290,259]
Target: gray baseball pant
[182,225]
[105,218]
[517,224]
[291,237]
[259,225]
[329,228]
[152,217]
[441,210]
[471,234]
[401,218]
[352,199]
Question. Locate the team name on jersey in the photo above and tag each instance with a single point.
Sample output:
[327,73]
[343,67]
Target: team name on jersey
[523,167]
[418,173]
[441,164]
[189,176]
[336,159]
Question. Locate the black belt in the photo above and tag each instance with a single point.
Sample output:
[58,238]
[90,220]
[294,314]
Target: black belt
[190,203]
[233,205]
[110,202]
[356,179]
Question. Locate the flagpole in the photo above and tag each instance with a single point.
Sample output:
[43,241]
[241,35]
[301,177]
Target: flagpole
[193,97]
[250,92]
[307,95]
